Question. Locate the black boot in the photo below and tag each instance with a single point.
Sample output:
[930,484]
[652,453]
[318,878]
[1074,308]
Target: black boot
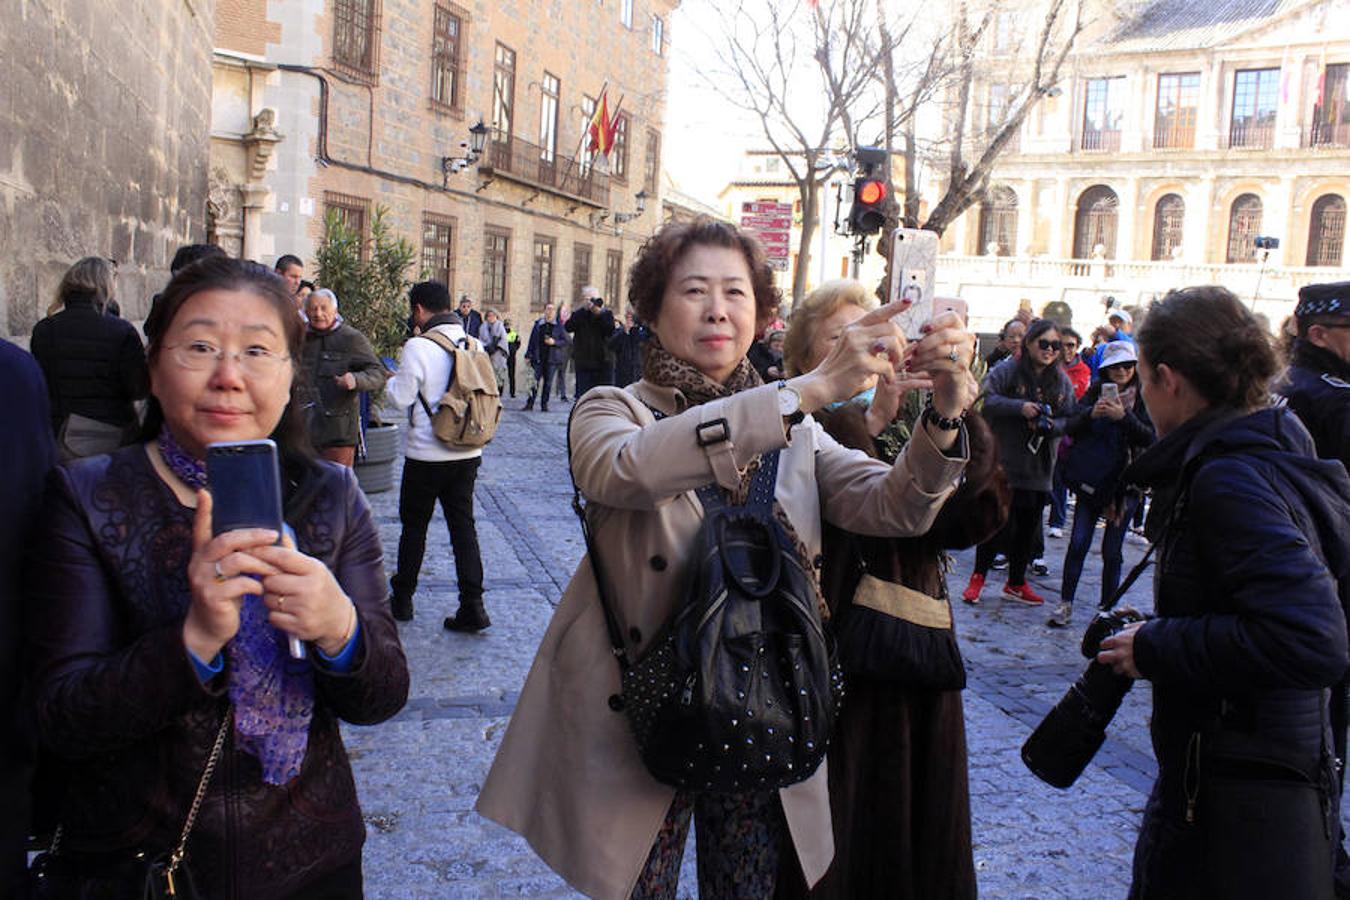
[529,403]
[401,607]
[470,617]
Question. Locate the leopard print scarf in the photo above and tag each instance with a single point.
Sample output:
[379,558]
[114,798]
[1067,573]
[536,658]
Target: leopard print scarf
[660,367]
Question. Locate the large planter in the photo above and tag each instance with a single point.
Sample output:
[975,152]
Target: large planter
[375,472]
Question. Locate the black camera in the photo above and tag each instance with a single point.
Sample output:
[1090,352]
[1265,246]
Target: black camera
[1266,243]
[1071,734]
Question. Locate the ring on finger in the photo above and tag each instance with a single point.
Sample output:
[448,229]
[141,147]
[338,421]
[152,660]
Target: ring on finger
[220,573]
[281,601]
[953,355]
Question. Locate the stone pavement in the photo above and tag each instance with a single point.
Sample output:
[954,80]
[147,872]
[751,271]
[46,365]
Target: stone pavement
[419,774]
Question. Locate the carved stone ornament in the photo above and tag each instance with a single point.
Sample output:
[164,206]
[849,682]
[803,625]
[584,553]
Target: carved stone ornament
[260,141]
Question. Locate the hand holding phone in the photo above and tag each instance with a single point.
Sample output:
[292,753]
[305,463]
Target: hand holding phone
[245,484]
[1110,392]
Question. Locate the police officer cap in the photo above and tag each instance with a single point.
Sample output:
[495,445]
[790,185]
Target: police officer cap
[1324,300]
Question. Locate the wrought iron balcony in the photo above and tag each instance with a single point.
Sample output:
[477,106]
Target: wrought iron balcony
[529,164]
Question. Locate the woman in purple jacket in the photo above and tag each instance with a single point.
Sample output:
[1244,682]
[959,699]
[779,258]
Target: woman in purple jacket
[150,641]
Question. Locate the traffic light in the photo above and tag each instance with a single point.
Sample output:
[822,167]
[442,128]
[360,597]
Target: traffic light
[866,216]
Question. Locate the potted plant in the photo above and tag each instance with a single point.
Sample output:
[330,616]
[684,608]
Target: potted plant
[372,290]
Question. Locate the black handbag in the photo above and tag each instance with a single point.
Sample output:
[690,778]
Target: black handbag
[62,876]
[740,690]
[892,633]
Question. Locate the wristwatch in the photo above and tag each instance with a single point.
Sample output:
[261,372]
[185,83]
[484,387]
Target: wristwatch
[790,403]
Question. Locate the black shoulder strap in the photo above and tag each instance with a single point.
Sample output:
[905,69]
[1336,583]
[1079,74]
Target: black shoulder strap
[579,507]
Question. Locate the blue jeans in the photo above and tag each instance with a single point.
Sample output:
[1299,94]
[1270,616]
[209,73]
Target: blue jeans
[1085,516]
[1059,499]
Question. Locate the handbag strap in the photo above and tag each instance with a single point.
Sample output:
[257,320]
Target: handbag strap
[180,850]
[579,507]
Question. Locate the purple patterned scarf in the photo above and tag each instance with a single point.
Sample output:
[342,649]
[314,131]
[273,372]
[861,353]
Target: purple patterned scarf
[273,695]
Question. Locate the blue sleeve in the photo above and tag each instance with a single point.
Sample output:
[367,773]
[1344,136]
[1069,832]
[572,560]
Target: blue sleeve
[1281,625]
[346,656]
[207,671]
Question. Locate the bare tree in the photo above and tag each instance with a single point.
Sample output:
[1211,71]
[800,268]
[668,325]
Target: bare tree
[770,56]
[917,69]
[967,179]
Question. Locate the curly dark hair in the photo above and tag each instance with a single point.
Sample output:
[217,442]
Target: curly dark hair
[650,274]
[1206,334]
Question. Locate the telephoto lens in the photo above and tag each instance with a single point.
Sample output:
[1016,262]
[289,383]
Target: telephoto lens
[1071,734]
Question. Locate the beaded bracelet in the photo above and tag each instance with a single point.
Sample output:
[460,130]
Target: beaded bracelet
[930,415]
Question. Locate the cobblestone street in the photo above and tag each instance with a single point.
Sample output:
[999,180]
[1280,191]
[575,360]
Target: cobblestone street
[420,773]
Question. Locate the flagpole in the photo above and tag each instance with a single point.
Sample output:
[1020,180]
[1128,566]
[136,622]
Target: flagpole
[585,133]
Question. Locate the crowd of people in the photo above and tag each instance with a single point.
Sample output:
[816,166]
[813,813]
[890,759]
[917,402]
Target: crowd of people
[147,666]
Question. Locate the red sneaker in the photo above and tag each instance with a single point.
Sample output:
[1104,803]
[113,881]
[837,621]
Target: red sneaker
[972,592]
[1023,593]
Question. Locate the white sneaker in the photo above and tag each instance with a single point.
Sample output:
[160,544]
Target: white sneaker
[1039,568]
[1055,532]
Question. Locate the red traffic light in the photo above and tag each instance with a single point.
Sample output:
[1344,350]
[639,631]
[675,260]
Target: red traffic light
[871,192]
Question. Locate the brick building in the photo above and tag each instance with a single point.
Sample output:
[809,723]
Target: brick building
[355,104]
[104,121]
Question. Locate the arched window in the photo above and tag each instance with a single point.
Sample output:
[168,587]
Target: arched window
[1326,231]
[998,221]
[1168,218]
[1095,222]
[1244,224]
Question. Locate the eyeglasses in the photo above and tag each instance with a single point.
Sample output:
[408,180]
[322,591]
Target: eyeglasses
[1048,345]
[258,362]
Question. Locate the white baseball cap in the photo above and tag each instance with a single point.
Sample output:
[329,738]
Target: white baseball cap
[1121,314]
[1118,352]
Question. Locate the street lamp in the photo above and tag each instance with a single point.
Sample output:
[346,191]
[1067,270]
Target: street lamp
[453,165]
[621,218]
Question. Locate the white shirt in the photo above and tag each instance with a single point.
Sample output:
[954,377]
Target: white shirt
[425,369]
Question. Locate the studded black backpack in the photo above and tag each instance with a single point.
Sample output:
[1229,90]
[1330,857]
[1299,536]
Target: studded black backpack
[740,690]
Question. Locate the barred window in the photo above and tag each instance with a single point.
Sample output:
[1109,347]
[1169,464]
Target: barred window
[1244,224]
[438,249]
[652,164]
[1103,113]
[352,211]
[447,58]
[1326,233]
[581,268]
[541,275]
[496,260]
[614,277]
[356,37]
[998,222]
[1169,220]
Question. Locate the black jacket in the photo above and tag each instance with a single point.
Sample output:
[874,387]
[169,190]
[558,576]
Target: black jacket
[591,329]
[120,705]
[1317,388]
[25,458]
[626,346]
[94,363]
[1102,448]
[1254,551]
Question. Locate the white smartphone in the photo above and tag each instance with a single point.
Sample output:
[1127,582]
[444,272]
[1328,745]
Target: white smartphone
[1110,392]
[913,274]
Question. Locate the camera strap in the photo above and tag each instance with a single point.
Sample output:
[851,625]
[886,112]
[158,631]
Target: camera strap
[1130,579]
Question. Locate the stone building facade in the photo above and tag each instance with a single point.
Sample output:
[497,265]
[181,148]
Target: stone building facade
[1179,133]
[353,105]
[104,122]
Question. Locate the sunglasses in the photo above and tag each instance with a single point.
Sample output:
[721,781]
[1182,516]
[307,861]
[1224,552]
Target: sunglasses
[1049,345]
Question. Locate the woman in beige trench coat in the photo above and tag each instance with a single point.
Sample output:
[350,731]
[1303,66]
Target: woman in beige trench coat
[568,775]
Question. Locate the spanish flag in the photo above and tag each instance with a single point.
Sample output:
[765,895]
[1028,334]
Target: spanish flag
[601,128]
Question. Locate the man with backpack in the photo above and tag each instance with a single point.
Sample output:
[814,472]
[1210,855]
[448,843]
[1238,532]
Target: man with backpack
[444,448]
